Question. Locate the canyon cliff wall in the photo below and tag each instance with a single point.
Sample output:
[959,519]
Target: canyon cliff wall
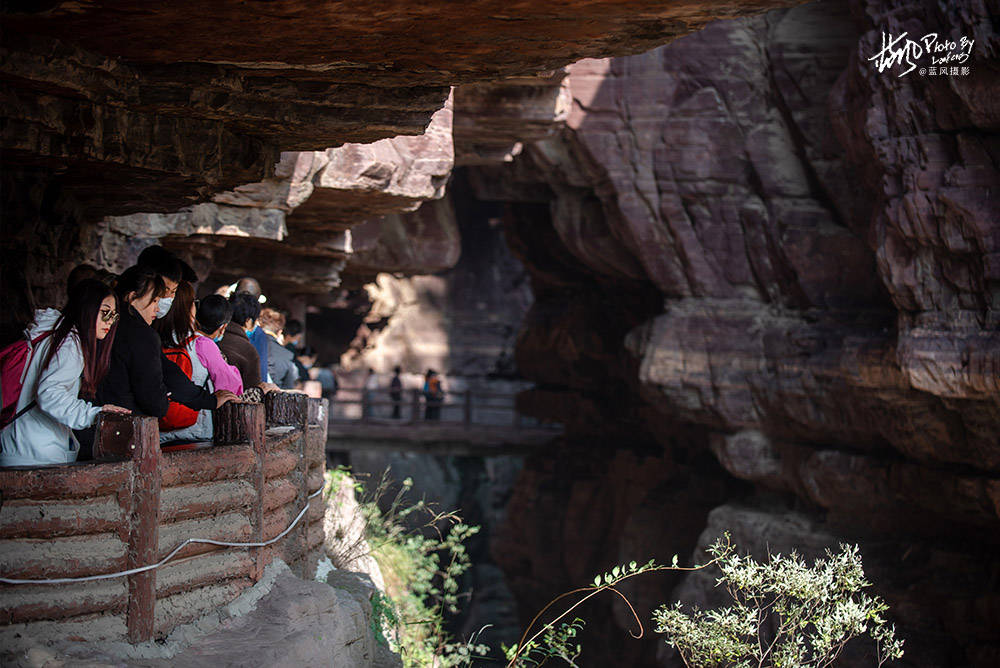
[753,244]
[764,275]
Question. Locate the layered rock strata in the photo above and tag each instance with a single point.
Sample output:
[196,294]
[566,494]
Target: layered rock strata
[111,109]
[814,239]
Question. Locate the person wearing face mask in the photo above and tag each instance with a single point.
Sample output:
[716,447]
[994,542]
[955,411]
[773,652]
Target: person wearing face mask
[280,361]
[69,358]
[170,268]
[235,345]
[255,334]
[140,376]
[208,319]
[211,318]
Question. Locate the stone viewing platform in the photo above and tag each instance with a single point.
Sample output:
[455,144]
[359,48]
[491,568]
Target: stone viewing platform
[136,504]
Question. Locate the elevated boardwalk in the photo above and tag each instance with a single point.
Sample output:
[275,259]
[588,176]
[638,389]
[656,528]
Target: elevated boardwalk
[470,422]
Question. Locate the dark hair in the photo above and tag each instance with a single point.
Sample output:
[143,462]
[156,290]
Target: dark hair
[214,311]
[245,307]
[80,313]
[140,280]
[78,273]
[18,302]
[397,370]
[293,327]
[248,285]
[175,327]
[109,279]
[307,351]
[162,262]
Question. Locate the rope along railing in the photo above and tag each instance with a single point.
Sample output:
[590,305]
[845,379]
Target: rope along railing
[104,519]
[171,555]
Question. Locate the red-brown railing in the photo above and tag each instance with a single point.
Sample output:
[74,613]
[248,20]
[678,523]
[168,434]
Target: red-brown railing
[136,502]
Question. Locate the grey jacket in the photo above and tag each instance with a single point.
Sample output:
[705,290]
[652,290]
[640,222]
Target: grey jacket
[281,364]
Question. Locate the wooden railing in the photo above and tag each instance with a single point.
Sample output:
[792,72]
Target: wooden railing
[136,502]
[464,407]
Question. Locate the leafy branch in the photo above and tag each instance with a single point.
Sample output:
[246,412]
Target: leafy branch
[605,582]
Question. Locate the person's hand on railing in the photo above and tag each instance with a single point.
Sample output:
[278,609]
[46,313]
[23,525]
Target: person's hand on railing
[111,408]
[222,397]
[269,387]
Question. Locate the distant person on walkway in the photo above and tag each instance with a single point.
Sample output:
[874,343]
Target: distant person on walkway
[250,286]
[69,359]
[396,393]
[433,395]
[280,361]
[371,390]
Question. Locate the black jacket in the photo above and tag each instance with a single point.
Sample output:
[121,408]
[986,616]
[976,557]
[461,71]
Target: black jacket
[140,375]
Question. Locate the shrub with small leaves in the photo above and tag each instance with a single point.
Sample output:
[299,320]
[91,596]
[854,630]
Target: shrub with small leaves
[785,613]
[422,556]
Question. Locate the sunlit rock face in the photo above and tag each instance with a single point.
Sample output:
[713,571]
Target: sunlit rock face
[805,247]
[463,318]
[496,119]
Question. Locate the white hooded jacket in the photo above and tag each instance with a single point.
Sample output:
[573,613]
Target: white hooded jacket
[44,434]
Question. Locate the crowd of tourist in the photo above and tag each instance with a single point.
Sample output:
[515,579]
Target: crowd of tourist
[140,342]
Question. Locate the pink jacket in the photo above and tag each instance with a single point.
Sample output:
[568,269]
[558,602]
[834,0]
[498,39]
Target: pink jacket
[224,376]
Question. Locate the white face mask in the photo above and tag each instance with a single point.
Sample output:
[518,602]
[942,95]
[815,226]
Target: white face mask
[164,306]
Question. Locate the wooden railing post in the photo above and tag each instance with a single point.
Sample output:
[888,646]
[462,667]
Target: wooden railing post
[286,408]
[293,409]
[143,524]
[113,437]
[244,423]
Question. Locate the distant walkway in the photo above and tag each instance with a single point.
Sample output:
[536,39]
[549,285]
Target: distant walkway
[470,422]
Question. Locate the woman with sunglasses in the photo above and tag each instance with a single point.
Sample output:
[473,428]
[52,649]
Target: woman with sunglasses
[62,373]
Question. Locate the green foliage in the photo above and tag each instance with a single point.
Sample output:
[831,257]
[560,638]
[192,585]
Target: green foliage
[557,642]
[785,613]
[422,556]
[556,639]
[384,616]
[336,478]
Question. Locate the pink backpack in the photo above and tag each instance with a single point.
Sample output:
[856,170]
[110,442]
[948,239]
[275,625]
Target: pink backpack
[14,360]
